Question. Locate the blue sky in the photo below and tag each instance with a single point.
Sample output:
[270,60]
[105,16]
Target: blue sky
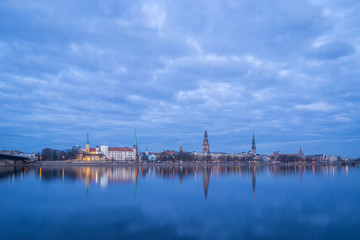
[171,69]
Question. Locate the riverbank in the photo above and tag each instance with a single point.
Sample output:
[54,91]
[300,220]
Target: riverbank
[135,164]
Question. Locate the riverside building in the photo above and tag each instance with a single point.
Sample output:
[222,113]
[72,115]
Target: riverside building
[108,153]
[206,148]
[90,154]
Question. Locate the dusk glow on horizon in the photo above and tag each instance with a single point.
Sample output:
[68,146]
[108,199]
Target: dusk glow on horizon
[287,70]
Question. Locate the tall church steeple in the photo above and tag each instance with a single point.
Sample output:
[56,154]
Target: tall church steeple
[87,146]
[253,145]
[181,148]
[135,147]
[301,153]
[206,143]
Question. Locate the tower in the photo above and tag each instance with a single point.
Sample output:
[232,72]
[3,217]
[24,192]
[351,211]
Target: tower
[87,146]
[181,148]
[206,143]
[301,153]
[253,146]
[135,147]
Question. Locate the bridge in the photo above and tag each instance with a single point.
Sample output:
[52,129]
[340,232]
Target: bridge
[13,158]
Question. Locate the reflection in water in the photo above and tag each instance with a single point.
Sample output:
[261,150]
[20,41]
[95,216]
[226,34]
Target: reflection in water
[180,202]
[206,173]
[253,178]
[131,174]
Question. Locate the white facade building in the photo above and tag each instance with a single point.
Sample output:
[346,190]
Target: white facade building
[118,153]
[105,150]
[121,154]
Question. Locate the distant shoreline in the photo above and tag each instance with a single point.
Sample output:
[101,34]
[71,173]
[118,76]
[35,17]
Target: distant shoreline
[186,164]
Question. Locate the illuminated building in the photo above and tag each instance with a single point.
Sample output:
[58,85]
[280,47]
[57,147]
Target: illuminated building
[301,153]
[253,146]
[206,143]
[181,148]
[90,154]
[105,152]
[121,153]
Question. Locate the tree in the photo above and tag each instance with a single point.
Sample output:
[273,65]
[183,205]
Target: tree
[46,154]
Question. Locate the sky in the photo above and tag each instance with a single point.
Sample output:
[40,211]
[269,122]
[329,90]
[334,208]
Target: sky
[288,70]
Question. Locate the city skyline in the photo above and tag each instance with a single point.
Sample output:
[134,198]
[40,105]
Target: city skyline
[205,148]
[173,69]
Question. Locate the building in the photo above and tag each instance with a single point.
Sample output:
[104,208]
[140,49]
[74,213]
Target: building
[90,154]
[253,146]
[92,157]
[206,148]
[118,153]
[332,159]
[121,153]
[301,153]
[76,148]
[181,148]
[108,153]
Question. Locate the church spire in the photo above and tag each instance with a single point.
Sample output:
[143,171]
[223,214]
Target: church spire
[135,147]
[135,139]
[181,148]
[87,146]
[253,145]
[206,143]
[301,153]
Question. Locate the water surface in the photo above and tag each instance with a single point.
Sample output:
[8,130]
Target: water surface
[252,202]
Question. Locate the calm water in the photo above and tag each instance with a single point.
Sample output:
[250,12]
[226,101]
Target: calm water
[180,203]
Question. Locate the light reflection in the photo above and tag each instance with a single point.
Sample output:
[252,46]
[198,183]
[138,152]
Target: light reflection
[206,180]
[253,178]
[347,170]
[104,176]
[313,170]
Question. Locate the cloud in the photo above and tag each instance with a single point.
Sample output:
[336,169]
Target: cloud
[155,15]
[194,44]
[317,106]
[331,51]
[211,95]
[173,68]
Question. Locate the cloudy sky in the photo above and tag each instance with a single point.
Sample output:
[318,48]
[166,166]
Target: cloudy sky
[171,69]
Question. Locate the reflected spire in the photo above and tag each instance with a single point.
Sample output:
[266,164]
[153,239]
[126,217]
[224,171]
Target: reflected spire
[253,176]
[181,179]
[135,187]
[206,179]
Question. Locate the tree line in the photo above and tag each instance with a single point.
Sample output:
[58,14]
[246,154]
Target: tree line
[48,154]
